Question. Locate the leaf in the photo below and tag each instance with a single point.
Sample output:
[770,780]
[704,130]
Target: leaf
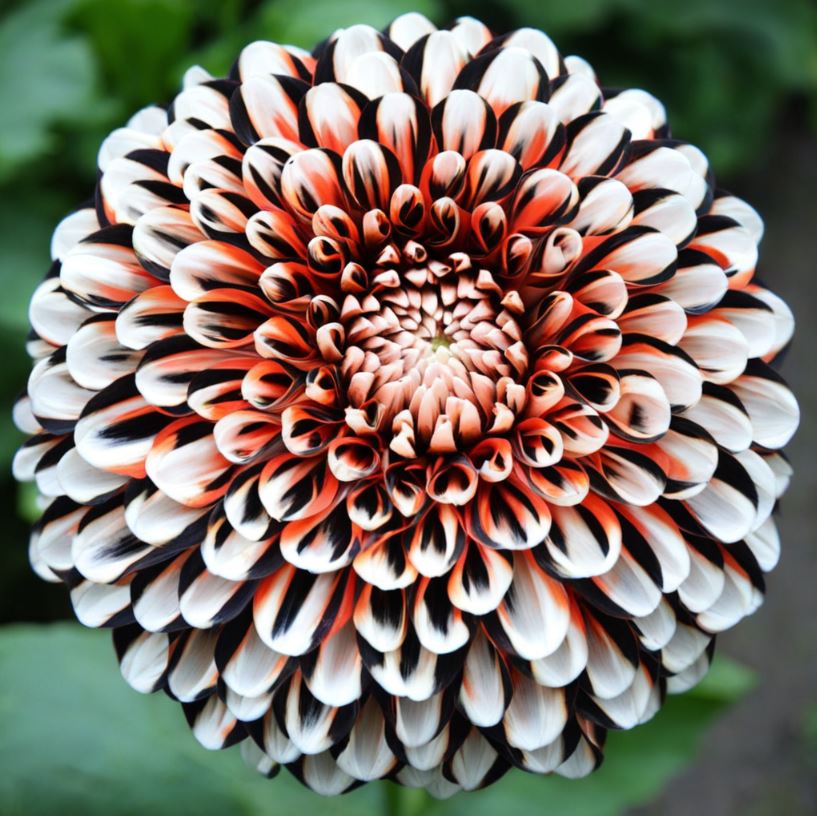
[137,42]
[77,739]
[810,733]
[727,681]
[292,21]
[559,18]
[307,24]
[28,502]
[782,33]
[26,224]
[46,77]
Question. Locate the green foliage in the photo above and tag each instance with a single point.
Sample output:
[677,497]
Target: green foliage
[78,740]
[289,22]
[810,734]
[135,41]
[46,77]
[327,15]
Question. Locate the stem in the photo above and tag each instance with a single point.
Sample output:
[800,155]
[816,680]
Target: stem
[400,801]
[392,805]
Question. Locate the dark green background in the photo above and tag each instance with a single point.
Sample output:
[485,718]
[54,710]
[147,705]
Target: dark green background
[739,78]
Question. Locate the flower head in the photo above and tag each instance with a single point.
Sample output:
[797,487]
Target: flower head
[405,407]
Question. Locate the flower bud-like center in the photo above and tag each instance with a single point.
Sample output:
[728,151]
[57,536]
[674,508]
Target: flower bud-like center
[435,348]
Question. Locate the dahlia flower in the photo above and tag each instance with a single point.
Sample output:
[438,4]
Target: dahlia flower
[405,407]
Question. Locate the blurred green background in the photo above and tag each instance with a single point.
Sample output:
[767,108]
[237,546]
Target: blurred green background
[738,77]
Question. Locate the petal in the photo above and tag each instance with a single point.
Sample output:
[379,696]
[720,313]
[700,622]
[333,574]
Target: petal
[565,664]
[103,270]
[193,672]
[584,540]
[399,123]
[439,626]
[535,613]
[543,197]
[383,561]
[536,715]
[434,62]
[310,179]
[185,463]
[772,409]
[208,265]
[291,487]
[329,116]
[117,429]
[596,143]
[480,579]
[506,516]
[371,172]
[293,609]
[380,617]
[104,549]
[505,76]
[727,506]
[153,315]
[210,599]
[367,755]
[159,235]
[144,661]
[265,106]
[333,672]
[463,122]
[321,544]
[611,658]
[476,763]
[229,555]
[248,666]
[486,688]
[435,544]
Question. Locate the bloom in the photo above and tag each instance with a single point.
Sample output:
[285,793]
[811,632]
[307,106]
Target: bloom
[405,407]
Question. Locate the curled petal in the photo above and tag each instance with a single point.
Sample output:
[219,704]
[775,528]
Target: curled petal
[452,481]
[506,516]
[351,459]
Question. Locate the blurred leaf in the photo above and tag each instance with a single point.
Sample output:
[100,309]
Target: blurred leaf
[306,24]
[299,23]
[10,438]
[70,720]
[726,682]
[698,91]
[23,594]
[46,76]
[810,733]
[779,34]
[26,224]
[559,17]
[78,740]
[137,43]
[28,502]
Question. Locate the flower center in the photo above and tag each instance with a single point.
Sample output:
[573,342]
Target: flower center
[435,347]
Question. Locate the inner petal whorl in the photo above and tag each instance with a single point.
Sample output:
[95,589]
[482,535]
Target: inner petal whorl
[433,345]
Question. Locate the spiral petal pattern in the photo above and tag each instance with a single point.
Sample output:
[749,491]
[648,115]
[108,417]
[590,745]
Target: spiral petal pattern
[405,407]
